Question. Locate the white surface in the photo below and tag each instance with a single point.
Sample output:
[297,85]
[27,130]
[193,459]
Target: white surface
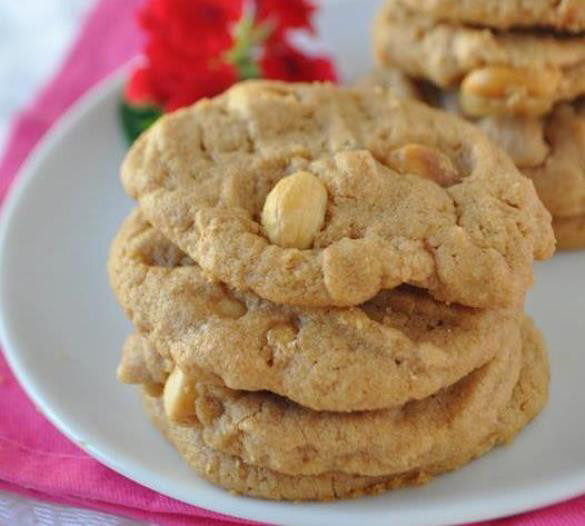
[62,332]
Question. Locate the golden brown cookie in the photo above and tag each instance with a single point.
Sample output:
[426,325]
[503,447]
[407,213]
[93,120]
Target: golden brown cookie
[560,15]
[495,72]
[266,430]
[323,196]
[399,346]
[229,471]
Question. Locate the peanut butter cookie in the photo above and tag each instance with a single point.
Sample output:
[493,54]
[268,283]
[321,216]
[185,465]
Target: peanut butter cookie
[495,72]
[231,472]
[266,430]
[314,195]
[560,15]
[399,346]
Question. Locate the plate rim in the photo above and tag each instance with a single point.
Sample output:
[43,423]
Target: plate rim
[530,498]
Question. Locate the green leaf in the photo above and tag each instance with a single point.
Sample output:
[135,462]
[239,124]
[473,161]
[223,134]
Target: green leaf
[136,119]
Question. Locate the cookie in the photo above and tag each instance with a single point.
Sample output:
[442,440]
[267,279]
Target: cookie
[266,430]
[315,195]
[563,15]
[495,72]
[399,346]
[548,149]
[231,472]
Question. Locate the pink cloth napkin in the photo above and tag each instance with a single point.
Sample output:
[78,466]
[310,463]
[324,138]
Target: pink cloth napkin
[35,459]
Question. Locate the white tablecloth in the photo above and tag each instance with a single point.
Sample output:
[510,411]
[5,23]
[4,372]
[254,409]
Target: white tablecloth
[34,35]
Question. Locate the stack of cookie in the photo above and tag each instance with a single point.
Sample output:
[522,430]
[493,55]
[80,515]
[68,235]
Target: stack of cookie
[327,287]
[515,68]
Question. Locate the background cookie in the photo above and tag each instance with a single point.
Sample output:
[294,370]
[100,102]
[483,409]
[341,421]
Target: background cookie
[529,396]
[564,15]
[496,72]
[393,192]
[570,232]
[399,346]
[560,178]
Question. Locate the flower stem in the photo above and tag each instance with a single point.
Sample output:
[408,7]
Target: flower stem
[247,38]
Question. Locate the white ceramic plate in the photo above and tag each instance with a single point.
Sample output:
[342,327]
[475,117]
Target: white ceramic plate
[62,331]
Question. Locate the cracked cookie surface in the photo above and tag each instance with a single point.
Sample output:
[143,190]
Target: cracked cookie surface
[550,150]
[202,175]
[399,346]
[231,472]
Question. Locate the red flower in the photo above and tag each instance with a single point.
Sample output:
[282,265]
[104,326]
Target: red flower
[197,84]
[186,39]
[181,80]
[283,62]
[285,14]
[140,89]
[195,27]
[193,51]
